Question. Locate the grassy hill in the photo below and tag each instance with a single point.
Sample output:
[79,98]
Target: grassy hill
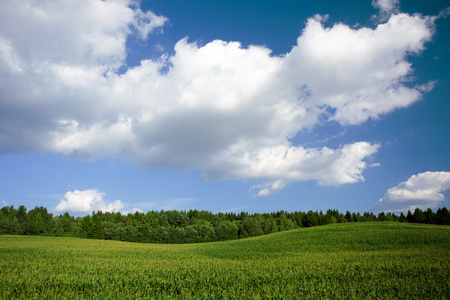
[355,260]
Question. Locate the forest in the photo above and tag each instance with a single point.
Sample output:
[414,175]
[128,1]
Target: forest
[193,226]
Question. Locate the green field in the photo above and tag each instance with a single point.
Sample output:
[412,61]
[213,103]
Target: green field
[384,260]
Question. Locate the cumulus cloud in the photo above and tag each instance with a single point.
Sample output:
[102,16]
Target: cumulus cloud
[424,190]
[360,73]
[229,111]
[87,201]
[73,32]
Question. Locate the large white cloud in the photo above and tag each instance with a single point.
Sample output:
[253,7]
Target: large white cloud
[73,32]
[359,73]
[227,110]
[424,190]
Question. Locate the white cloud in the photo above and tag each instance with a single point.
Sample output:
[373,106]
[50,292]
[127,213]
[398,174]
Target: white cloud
[146,23]
[444,13]
[4,203]
[233,209]
[228,111]
[73,32]
[359,73]
[270,188]
[86,202]
[285,164]
[386,5]
[424,190]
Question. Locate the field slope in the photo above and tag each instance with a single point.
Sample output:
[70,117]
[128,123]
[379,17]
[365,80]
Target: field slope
[356,260]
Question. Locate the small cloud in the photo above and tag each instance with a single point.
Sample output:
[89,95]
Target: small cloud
[320,18]
[233,209]
[424,190]
[444,13]
[269,188]
[117,205]
[4,203]
[147,22]
[427,87]
[87,201]
[159,47]
[386,7]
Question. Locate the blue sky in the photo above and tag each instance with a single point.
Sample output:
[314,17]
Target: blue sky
[254,106]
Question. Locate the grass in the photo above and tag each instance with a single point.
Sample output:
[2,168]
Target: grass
[355,260]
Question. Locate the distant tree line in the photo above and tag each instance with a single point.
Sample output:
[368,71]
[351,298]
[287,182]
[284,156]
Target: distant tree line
[191,226]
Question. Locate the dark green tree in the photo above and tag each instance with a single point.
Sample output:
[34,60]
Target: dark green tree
[268,225]
[98,231]
[176,218]
[163,220]
[348,216]
[86,227]
[191,234]
[177,235]
[22,218]
[129,233]
[409,217]
[402,218]
[443,216]
[252,226]
[356,217]
[226,230]
[205,231]
[162,235]
[419,216]
[429,216]
[4,224]
[310,219]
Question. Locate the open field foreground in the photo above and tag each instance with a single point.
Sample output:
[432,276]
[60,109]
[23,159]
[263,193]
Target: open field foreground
[355,260]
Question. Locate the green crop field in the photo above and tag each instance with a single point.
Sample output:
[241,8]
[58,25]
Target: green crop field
[383,260]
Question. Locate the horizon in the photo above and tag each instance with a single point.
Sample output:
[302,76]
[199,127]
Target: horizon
[224,106]
[235,213]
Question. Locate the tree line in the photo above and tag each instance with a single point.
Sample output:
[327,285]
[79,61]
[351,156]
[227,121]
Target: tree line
[191,226]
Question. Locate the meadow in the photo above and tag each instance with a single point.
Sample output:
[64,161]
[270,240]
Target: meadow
[382,260]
